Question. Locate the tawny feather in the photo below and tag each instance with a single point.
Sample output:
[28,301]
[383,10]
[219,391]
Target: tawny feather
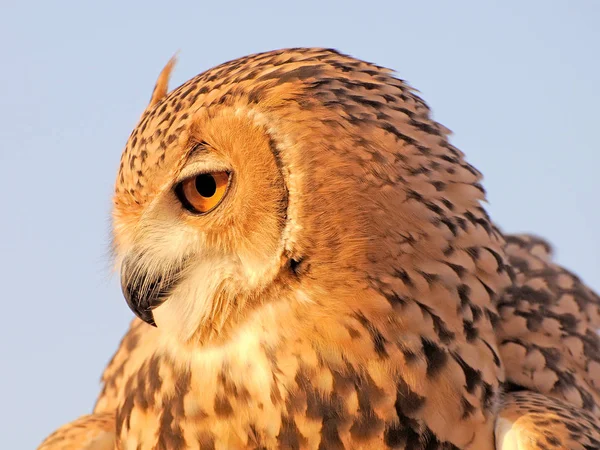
[349,291]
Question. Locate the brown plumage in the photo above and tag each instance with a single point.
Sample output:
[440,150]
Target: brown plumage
[532,421]
[548,329]
[90,432]
[343,292]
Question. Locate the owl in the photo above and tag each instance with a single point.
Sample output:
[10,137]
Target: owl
[311,267]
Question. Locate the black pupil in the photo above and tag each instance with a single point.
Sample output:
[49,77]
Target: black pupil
[206,185]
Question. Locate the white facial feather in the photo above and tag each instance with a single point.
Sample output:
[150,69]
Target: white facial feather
[194,300]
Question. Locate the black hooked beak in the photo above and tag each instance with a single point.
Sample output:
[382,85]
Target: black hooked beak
[142,293]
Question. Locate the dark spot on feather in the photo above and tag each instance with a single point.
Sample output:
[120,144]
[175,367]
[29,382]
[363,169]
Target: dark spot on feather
[436,357]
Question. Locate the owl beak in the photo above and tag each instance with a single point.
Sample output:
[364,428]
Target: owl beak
[142,292]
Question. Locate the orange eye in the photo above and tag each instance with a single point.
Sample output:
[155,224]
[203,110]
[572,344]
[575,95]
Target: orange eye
[202,193]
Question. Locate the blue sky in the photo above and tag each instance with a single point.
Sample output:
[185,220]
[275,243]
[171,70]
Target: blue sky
[517,82]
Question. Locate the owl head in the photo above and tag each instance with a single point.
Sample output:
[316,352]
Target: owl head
[301,176]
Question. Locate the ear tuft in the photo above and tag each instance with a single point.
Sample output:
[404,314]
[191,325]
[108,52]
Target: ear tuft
[162,84]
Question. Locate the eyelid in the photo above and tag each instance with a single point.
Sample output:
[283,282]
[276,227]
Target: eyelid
[205,164]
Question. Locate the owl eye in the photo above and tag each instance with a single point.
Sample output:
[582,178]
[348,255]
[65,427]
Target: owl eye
[201,193]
